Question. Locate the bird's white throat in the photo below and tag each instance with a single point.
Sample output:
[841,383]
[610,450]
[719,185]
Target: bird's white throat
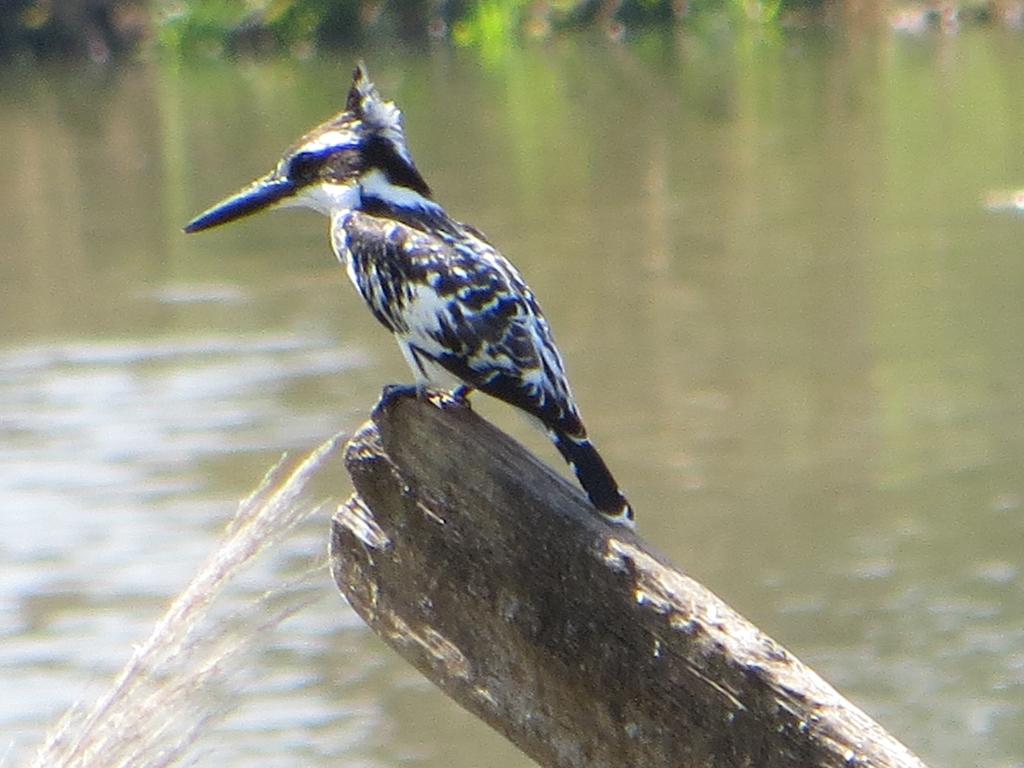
[326,198]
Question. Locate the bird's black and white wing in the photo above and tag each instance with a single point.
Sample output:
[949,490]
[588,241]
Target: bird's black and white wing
[458,305]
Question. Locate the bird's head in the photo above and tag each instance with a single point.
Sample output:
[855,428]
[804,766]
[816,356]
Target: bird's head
[358,155]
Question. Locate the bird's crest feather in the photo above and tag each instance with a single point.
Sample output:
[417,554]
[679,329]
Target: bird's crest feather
[366,104]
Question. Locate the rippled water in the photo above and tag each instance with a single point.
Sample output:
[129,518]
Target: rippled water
[792,325]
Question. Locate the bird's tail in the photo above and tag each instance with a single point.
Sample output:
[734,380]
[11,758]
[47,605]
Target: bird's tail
[595,477]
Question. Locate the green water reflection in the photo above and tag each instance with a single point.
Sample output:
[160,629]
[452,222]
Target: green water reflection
[794,332]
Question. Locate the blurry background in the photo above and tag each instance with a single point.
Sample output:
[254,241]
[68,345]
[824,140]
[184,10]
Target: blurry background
[759,234]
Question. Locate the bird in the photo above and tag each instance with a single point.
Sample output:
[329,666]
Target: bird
[462,314]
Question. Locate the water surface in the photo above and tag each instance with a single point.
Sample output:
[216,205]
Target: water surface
[794,331]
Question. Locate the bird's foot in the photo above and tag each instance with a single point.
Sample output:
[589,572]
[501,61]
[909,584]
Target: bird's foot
[439,398]
[450,401]
[394,392]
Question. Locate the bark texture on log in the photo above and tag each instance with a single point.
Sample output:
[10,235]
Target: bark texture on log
[494,577]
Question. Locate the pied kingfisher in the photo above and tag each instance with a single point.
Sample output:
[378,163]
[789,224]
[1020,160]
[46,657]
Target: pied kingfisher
[461,313]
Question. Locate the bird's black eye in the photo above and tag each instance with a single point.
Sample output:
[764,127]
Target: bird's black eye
[304,167]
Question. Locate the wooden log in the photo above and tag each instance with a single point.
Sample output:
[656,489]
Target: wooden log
[493,576]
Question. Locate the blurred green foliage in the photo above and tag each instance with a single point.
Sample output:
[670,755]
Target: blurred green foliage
[100,29]
[301,26]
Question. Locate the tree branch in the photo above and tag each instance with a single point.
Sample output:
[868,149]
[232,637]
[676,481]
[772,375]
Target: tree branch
[493,576]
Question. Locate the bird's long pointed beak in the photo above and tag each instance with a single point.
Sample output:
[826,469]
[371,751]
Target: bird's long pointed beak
[262,193]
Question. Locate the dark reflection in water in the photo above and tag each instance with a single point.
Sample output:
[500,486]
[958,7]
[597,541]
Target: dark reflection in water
[794,331]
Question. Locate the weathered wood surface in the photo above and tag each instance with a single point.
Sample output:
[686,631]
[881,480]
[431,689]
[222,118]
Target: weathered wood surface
[492,576]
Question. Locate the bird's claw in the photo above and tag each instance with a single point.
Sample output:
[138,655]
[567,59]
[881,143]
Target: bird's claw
[394,392]
[449,401]
[439,398]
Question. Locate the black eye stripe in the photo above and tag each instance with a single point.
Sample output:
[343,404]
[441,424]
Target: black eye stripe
[305,166]
[343,162]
